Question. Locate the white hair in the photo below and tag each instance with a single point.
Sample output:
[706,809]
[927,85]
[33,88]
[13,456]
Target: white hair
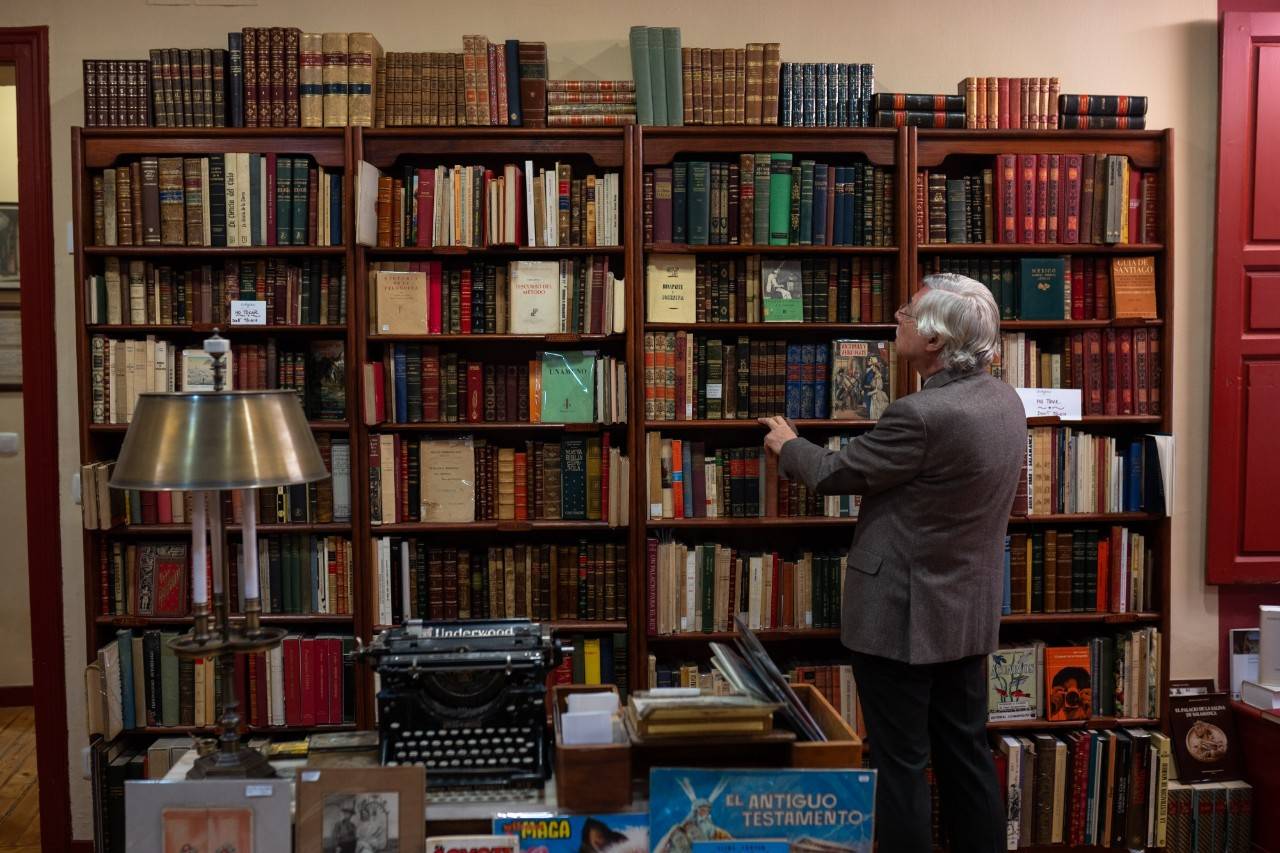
[964,316]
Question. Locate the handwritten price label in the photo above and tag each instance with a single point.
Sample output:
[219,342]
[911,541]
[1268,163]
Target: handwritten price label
[246,312]
[1061,403]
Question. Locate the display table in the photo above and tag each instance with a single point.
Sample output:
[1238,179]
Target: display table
[1259,735]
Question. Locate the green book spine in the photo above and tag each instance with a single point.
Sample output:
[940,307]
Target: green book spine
[679,202]
[573,479]
[760,211]
[675,98]
[793,223]
[699,202]
[806,203]
[170,703]
[640,73]
[284,201]
[715,379]
[779,199]
[299,217]
[658,75]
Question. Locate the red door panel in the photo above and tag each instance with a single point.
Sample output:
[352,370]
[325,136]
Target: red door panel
[1243,536]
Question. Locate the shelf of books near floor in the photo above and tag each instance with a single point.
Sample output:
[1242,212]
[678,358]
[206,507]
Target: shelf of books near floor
[169,227]
[521,510]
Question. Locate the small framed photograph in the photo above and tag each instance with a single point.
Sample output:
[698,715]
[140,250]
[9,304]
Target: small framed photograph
[245,815]
[370,810]
[10,346]
[8,244]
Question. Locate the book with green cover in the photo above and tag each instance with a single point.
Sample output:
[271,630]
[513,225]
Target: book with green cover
[675,98]
[1043,288]
[640,73]
[779,199]
[806,202]
[658,75]
[699,203]
[169,707]
[781,287]
[760,213]
[569,387]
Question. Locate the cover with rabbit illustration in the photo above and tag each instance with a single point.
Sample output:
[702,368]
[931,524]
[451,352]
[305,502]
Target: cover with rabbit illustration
[816,811]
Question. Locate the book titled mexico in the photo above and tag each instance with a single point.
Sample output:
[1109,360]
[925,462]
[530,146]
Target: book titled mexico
[831,811]
[566,833]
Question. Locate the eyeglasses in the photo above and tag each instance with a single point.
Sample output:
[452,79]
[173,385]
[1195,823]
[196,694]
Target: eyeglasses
[902,314]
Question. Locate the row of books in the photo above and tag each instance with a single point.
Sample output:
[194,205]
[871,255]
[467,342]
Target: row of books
[478,206]
[570,295]
[690,377]
[769,199]
[1083,570]
[322,502]
[992,103]
[677,85]
[464,480]
[1108,788]
[1104,676]
[1103,112]
[1214,816]
[312,291]
[1118,371]
[591,103]
[418,579]
[700,588]
[594,659]
[225,199]
[117,93]
[1061,288]
[417,384]
[692,289]
[1041,198]
[825,94]
[1069,471]
[122,369]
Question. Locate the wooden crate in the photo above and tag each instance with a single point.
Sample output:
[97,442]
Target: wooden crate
[590,778]
[842,749]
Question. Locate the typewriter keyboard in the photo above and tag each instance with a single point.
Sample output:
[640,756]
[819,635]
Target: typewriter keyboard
[479,750]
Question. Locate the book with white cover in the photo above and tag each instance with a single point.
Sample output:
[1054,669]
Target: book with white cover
[534,297]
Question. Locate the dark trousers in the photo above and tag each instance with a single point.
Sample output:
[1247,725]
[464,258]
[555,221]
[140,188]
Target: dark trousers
[913,711]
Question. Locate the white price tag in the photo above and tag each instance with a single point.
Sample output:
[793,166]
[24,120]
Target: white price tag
[245,312]
[1062,403]
[258,790]
[715,391]
[310,775]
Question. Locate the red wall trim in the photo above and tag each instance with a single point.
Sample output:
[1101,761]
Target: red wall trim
[28,49]
[18,696]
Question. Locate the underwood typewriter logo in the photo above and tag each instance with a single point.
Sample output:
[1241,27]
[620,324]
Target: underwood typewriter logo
[460,633]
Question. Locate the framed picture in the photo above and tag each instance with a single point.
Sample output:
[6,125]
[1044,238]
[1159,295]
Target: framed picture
[244,815]
[10,346]
[8,244]
[370,810]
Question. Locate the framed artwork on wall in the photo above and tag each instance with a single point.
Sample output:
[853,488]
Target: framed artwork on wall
[8,244]
[379,809]
[10,342]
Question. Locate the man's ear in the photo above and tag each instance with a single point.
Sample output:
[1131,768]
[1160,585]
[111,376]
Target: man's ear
[934,344]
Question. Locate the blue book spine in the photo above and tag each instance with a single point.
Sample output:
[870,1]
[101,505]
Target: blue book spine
[686,452]
[821,387]
[820,94]
[235,79]
[868,85]
[855,89]
[699,202]
[301,188]
[402,386]
[837,72]
[256,224]
[284,201]
[852,210]
[820,204]
[795,380]
[837,209]
[679,201]
[514,117]
[786,87]
[810,94]
[477,303]
[807,381]
[1133,478]
[1006,605]
[124,643]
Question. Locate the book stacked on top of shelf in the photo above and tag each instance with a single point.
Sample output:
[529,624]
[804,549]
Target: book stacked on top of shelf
[568,296]
[769,199]
[1102,112]
[117,93]
[825,94]
[417,579]
[232,199]
[999,103]
[1041,198]
[591,103]
[902,109]
[1082,570]
[463,480]
[1220,813]
[141,292]
[420,385]
[476,206]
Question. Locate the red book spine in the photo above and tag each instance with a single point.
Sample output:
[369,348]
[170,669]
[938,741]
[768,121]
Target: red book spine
[1093,372]
[270,197]
[1007,197]
[292,681]
[465,303]
[424,205]
[402,480]
[1150,214]
[262,699]
[1026,198]
[1042,198]
[682,343]
[1002,90]
[1077,360]
[1015,103]
[335,678]
[1101,290]
[1124,347]
[475,392]
[1052,203]
[1141,375]
[1112,396]
[324,687]
[1155,369]
[1071,183]
[435,275]
[307,668]
[1135,205]
[1077,288]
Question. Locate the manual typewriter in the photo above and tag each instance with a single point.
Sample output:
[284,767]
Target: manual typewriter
[466,700]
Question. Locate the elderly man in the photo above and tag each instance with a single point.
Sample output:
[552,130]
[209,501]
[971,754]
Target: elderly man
[923,584]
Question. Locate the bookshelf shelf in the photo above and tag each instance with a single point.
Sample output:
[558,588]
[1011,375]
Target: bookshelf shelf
[483,251]
[1091,723]
[1072,325]
[769,635]
[488,527]
[1023,249]
[267,618]
[713,523]
[753,424]
[741,249]
[567,339]
[211,251]
[496,426]
[774,329]
[1090,618]
[203,330]
[262,730]
[317,426]
[567,626]
[184,529]
[1086,518]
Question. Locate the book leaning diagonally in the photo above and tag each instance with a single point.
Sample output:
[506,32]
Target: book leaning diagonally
[448,480]
[366,204]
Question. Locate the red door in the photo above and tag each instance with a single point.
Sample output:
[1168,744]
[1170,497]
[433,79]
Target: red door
[1243,540]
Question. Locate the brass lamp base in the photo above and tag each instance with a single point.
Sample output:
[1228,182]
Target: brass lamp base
[244,763]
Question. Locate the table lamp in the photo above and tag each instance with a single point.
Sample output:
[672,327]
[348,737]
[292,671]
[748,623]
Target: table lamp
[203,443]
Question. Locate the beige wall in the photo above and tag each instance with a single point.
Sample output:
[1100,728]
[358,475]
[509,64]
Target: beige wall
[1166,50]
[15,614]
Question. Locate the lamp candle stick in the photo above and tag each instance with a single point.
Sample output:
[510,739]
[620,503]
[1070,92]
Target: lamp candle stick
[216,534]
[199,554]
[249,526]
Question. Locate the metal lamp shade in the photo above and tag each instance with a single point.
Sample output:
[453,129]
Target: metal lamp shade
[219,440]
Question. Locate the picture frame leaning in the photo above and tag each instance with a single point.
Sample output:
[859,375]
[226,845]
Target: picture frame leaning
[379,809]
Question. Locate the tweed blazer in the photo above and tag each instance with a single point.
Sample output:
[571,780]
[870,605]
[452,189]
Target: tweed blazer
[937,474]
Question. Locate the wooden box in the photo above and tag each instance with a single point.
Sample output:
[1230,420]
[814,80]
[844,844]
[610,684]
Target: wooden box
[590,778]
[842,749]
